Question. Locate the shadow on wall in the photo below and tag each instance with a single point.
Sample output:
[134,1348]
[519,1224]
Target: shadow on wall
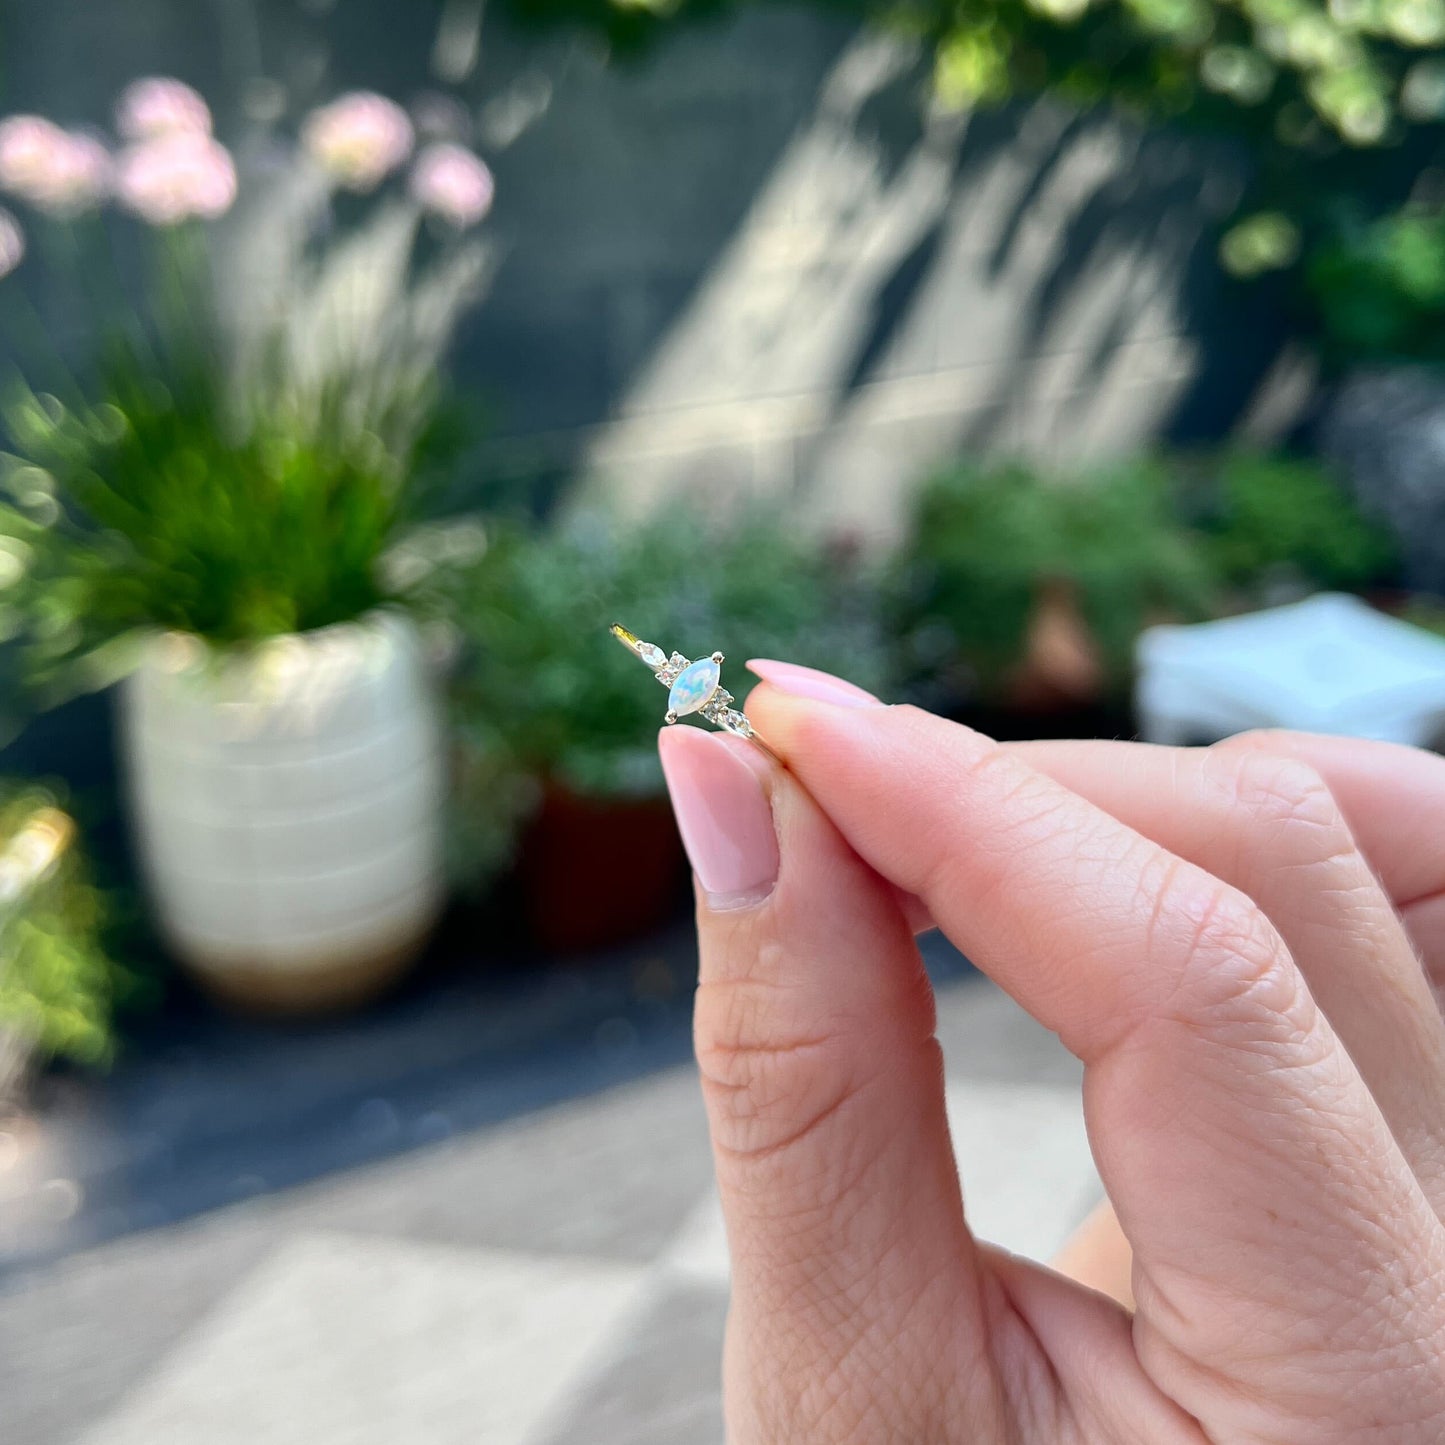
[785,275]
[754,261]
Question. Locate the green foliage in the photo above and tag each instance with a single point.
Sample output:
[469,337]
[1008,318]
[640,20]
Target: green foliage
[985,541]
[543,680]
[177,500]
[58,987]
[1272,517]
[1380,288]
[1337,104]
[1299,76]
[1177,537]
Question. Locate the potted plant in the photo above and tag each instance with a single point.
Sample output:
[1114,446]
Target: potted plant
[540,684]
[210,518]
[1276,528]
[1023,592]
[58,986]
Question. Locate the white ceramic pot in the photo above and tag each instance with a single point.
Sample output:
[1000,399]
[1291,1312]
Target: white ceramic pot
[287,803]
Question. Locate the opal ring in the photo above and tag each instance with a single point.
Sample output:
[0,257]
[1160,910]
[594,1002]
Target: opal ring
[693,687]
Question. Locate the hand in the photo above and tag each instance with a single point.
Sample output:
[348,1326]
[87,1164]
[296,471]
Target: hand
[1264,1078]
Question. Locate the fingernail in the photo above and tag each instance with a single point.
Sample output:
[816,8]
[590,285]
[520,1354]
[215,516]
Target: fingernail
[809,682]
[723,815]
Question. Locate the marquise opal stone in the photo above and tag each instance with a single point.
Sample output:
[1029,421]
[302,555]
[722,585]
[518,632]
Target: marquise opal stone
[695,684]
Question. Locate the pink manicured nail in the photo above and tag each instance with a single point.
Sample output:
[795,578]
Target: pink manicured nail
[809,682]
[723,815]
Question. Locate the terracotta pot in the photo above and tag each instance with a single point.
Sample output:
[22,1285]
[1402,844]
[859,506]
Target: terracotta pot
[1061,666]
[287,806]
[596,872]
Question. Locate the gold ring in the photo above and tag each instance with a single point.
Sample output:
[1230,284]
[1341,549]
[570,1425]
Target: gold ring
[693,687]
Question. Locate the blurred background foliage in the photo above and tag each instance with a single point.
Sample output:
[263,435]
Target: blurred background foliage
[987,540]
[153,508]
[281,454]
[1380,289]
[1121,546]
[237,460]
[1286,522]
[1337,108]
[162,505]
[59,986]
[537,668]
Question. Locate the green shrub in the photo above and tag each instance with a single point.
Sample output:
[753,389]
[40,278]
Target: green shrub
[1380,289]
[58,986]
[1271,518]
[985,540]
[1334,106]
[540,678]
[166,505]
[238,445]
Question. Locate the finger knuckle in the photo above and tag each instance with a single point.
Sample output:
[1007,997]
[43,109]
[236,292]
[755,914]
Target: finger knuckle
[1290,820]
[1288,794]
[1002,776]
[765,1122]
[770,1079]
[1234,976]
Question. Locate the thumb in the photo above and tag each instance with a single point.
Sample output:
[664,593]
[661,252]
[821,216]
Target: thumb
[823,1081]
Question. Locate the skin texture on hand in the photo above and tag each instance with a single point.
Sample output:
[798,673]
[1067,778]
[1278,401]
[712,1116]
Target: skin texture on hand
[1264,1078]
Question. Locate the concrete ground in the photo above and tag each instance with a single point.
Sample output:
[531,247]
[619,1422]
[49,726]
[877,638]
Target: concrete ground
[555,1278]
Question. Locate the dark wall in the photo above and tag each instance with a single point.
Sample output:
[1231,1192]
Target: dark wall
[751,260]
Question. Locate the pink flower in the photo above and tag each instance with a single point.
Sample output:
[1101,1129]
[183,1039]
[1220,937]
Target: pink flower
[158,106]
[177,177]
[12,243]
[58,171]
[81,178]
[451,182]
[26,145]
[358,138]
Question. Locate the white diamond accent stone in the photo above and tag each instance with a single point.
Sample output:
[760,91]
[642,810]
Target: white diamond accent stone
[694,687]
[717,705]
[652,655]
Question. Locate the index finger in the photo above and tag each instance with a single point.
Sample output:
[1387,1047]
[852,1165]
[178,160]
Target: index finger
[1038,887]
[1218,1098]
[1393,798]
